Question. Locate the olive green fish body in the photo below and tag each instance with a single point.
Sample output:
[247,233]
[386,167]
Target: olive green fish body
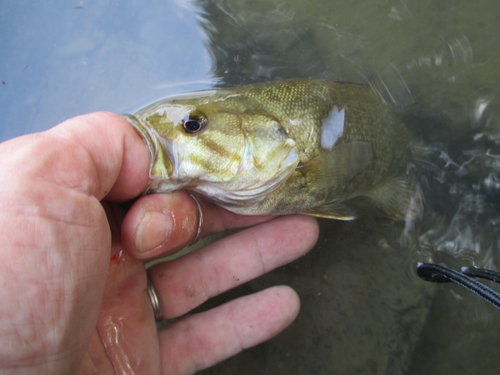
[283,147]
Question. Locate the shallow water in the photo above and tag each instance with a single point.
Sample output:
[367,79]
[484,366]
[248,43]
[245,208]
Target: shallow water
[364,310]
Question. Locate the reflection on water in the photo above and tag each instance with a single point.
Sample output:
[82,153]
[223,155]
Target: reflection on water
[364,310]
[61,58]
[465,229]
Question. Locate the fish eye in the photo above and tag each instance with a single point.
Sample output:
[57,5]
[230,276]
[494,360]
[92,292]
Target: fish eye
[194,125]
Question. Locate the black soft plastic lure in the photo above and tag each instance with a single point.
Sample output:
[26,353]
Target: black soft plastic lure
[442,274]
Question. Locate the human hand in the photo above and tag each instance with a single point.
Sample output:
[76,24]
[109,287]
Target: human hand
[72,269]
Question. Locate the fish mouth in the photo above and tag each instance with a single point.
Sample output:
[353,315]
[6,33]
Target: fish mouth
[142,129]
[164,162]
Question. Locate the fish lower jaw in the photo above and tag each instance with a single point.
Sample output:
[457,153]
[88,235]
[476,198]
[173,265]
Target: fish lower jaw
[157,185]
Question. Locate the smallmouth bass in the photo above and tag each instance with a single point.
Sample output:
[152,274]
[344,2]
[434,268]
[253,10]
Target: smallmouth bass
[283,147]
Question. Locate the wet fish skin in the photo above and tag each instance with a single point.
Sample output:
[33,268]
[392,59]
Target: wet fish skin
[283,147]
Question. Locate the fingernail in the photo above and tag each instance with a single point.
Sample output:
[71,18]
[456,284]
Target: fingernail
[154,230]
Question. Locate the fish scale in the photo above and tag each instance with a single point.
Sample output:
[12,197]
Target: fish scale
[260,150]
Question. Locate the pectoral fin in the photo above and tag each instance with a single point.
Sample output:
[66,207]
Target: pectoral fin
[398,198]
[335,210]
[341,164]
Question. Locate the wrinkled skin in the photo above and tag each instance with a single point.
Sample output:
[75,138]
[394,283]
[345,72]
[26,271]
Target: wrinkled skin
[72,274]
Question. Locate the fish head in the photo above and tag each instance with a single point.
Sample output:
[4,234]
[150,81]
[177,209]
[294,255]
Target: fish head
[217,145]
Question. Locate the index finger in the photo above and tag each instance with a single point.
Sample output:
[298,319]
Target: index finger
[160,224]
[108,157]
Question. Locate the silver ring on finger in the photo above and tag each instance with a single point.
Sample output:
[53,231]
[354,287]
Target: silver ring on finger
[153,297]
[199,211]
